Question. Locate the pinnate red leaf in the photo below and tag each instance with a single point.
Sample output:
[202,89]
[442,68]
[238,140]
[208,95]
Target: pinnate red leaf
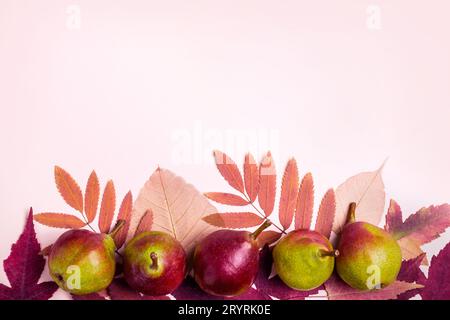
[289,192]
[229,170]
[91,197]
[234,220]
[24,267]
[107,207]
[325,216]
[59,220]
[438,284]
[305,203]
[251,177]
[125,215]
[226,198]
[69,189]
[267,184]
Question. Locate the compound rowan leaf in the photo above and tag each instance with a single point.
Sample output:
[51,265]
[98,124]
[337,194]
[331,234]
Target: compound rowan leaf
[226,198]
[178,208]
[267,184]
[59,220]
[24,267]
[325,216]
[146,222]
[305,203]
[289,192]
[438,284]
[229,170]
[107,207]
[91,197]
[251,177]
[124,214]
[234,220]
[69,189]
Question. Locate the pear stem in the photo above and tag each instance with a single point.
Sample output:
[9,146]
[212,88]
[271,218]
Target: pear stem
[117,227]
[351,215]
[260,229]
[154,258]
[332,253]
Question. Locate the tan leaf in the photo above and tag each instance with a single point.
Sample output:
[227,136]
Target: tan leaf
[226,198]
[107,208]
[289,192]
[178,208]
[91,197]
[326,213]
[59,220]
[69,189]
[267,184]
[234,220]
[251,177]
[229,170]
[124,214]
[411,249]
[367,190]
[268,237]
[305,203]
[146,222]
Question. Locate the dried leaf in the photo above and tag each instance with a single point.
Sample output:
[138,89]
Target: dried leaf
[91,197]
[326,213]
[339,290]
[234,220]
[59,220]
[124,214]
[411,249]
[289,192]
[69,189]
[229,170]
[268,237]
[367,190]
[178,208]
[438,283]
[226,198]
[24,267]
[107,208]
[394,218]
[146,222]
[305,203]
[251,177]
[410,272]
[119,290]
[267,184]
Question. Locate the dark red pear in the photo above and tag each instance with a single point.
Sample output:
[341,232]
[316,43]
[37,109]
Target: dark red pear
[226,262]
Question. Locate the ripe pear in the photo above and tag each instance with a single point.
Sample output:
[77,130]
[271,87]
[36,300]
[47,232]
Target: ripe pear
[369,256]
[304,259]
[82,262]
[226,262]
[154,263]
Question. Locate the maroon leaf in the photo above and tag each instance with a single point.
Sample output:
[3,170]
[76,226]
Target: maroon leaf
[119,290]
[394,219]
[24,267]
[91,296]
[229,170]
[438,283]
[410,272]
[251,177]
[226,198]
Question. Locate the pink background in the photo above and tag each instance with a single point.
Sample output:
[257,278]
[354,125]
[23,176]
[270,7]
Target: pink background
[308,79]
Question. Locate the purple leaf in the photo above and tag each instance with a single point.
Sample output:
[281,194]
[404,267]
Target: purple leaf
[438,283]
[410,272]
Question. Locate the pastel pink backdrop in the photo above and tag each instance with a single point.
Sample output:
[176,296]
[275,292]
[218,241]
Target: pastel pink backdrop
[117,93]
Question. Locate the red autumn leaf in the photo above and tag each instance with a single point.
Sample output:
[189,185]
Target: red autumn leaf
[107,207]
[325,217]
[69,189]
[410,272]
[394,218]
[289,192]
[267,238]
[90,296]
[119,290]
[438,284]
[146,222]
[91,197]
[229,170]
[305,203]
[251,177]
[226,198]
[24,267]
[234,220]
[125,215]
[267,184]
[59,220]
[274,286]
[339,290]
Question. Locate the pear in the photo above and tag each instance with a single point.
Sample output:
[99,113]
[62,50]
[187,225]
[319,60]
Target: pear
[304,259]
[82,262]
[370,257]
[154,263]
[226,262]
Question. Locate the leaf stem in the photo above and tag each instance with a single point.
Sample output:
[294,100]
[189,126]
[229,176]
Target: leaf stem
[262,215]
[87,223]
